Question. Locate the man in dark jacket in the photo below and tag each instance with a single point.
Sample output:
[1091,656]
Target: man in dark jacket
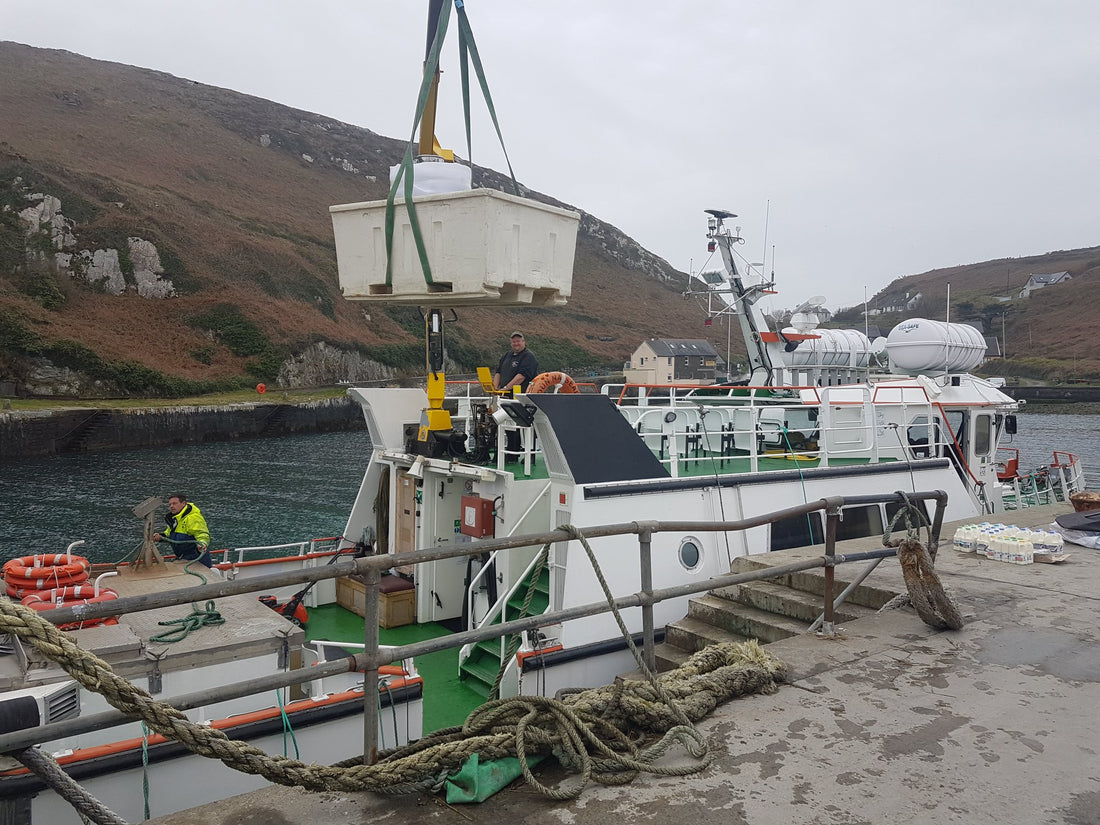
[516,367]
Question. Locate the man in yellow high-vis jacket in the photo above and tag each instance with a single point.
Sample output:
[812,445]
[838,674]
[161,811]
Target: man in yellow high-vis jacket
[186,530]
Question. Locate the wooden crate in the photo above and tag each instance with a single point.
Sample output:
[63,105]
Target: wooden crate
[396,601]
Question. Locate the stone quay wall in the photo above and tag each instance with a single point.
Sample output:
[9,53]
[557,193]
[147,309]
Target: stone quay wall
[34,434]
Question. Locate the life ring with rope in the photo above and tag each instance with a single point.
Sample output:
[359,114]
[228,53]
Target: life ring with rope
[552,382]
[70,597]
[44,571]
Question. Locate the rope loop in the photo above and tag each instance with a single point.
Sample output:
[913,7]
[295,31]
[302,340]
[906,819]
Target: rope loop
[199,618]
[914,517]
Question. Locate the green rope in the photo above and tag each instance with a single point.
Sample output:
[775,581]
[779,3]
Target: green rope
[287,727]
[145,767]
[468,49]
[405,169]
[200,616]
[468,54]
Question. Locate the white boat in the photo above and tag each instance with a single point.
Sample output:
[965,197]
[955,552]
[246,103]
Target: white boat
[814,422]
[820,422]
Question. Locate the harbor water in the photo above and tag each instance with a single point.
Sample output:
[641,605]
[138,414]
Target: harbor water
[279,490]
[252,492]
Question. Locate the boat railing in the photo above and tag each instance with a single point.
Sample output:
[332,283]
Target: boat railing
[326,650]
[1054,482]
[369,571]
[231,556]
[700,434]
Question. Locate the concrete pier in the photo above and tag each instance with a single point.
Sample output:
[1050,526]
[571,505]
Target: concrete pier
[892,722]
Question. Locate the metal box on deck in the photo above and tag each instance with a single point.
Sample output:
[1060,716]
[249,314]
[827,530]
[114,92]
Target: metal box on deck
[484,246]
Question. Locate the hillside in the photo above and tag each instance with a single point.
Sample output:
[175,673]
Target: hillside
[208,253]
[1047,336]
[159,236]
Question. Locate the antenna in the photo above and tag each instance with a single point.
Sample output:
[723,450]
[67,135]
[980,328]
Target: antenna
[767,217]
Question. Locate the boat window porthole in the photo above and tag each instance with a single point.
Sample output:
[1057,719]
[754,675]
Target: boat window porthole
[690,554]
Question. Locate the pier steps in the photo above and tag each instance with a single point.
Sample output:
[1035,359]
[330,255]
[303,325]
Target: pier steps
[768,610]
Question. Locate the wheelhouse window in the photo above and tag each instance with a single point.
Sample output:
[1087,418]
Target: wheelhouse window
[983,435]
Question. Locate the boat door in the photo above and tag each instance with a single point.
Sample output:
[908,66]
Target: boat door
[440,585]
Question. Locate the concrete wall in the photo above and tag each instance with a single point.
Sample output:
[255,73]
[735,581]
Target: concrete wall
[29,434]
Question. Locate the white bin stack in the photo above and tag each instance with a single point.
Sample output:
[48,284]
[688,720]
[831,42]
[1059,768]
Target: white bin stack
[485,248]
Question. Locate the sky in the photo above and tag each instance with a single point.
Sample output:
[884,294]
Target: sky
[858,140]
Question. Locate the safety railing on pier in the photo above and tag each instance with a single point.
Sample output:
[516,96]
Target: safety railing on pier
[374,657]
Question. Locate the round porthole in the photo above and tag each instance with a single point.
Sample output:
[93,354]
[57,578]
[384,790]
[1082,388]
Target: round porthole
[690,554]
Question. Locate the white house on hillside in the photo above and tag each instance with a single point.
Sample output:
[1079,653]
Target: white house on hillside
[671,361]
[1035,282]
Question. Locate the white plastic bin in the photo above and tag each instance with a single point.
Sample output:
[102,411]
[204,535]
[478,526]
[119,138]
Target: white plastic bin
[485,247]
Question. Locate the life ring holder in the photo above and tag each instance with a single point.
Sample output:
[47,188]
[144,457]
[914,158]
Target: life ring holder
[552,382]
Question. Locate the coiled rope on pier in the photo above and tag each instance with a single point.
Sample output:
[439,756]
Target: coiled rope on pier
[925,590]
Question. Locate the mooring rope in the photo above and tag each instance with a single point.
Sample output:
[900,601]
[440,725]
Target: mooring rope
[579,736]
[925,590]
[45,767]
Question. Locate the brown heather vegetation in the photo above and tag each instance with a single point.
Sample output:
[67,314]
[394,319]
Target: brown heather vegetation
[132,152]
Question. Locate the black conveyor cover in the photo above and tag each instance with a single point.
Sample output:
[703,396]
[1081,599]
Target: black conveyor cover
[598,443]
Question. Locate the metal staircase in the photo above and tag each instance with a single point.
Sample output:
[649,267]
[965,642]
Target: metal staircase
[480,668]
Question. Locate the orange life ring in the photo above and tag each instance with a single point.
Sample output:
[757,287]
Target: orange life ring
[45,565]
[67,596]
[44,571]
[261,388]
[552,382]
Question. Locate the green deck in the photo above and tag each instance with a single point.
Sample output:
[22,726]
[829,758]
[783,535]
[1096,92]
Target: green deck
[447,701]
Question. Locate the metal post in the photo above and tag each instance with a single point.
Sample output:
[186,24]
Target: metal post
[645,562]
[832,519]
[937,523]
[372,577]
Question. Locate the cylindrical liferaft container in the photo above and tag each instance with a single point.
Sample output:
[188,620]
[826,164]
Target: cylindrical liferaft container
[920,345]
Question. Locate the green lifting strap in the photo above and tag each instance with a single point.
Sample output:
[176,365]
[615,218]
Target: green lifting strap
[467,52]
[467,48]
[405,170]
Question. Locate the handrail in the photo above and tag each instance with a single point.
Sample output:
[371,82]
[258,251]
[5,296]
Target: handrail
[370,570]
[492,558]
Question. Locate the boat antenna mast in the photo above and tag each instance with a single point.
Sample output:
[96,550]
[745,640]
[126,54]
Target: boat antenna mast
[742,297]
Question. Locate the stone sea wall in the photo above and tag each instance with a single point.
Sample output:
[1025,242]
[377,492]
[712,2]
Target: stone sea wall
[31,434]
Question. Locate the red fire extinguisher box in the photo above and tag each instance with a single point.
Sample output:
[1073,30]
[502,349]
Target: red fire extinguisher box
[477,517]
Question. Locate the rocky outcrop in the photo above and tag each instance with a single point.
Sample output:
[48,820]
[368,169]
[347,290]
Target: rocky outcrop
[100,266]
[322,365]
[44,378]
[148,270]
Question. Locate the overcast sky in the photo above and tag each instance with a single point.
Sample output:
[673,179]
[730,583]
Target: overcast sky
[879,139]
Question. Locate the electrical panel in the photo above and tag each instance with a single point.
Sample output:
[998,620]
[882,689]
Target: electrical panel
[477,517]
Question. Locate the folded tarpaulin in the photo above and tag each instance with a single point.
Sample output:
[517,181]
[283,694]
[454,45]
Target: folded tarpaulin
[476,781]
[1086,522]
